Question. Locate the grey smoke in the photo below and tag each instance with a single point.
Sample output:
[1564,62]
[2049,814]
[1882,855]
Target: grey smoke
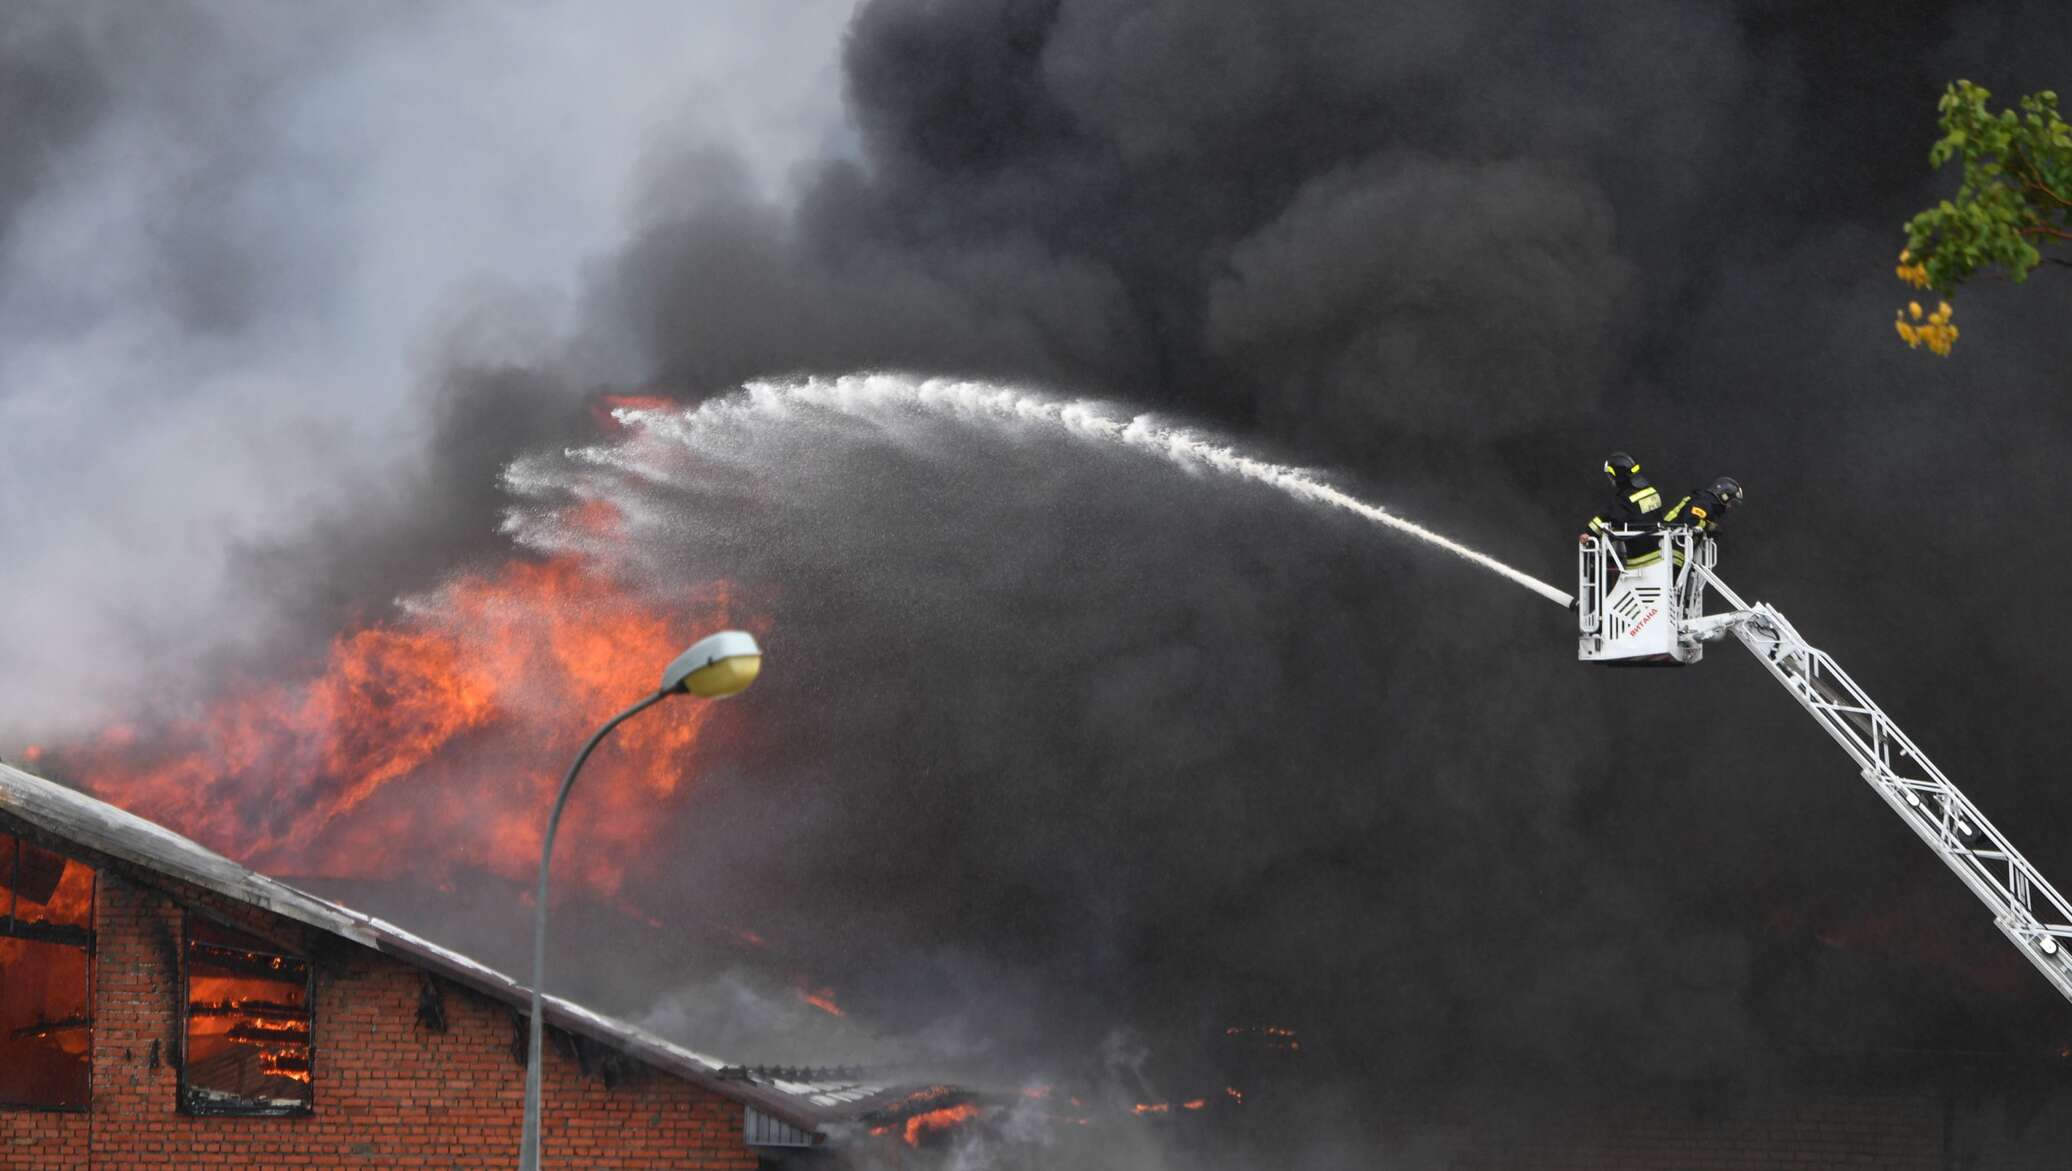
[1456,250]
[247,250]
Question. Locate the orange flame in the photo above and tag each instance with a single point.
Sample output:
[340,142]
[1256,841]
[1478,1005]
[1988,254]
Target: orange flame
[262,1025]
[1274,1037]
[822,999]
[72,902]
[921,1126]
[436,739]
[287,1065]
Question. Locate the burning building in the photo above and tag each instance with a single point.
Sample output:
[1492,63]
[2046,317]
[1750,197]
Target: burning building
[163,1006]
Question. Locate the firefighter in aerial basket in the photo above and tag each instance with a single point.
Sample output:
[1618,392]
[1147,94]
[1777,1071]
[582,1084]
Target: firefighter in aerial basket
[1637,506]
[1704,509]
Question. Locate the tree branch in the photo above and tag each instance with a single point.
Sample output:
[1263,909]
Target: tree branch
[2033,180]
[2040,189]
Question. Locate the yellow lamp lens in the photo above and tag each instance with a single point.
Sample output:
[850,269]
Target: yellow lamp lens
[726,677]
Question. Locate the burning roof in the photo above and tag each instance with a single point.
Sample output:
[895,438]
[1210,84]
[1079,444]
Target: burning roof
[806,1099]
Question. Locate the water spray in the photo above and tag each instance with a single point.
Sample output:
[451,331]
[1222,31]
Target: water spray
[867,397]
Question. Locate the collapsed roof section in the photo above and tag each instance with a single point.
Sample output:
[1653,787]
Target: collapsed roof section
[786,1107]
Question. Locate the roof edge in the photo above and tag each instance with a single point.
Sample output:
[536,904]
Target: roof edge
[73,816]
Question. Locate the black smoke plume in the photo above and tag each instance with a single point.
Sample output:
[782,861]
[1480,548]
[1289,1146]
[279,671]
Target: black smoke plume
[1059,748]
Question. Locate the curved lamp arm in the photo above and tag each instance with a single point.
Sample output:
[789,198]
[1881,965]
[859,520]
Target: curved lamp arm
[529,1144]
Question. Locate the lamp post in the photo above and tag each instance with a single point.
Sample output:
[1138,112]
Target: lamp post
[715,667]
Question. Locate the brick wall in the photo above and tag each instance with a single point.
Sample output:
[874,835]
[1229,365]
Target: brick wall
[388,1091]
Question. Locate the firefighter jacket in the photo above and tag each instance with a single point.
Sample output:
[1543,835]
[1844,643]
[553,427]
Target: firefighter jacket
[1638,506]
[1701,510]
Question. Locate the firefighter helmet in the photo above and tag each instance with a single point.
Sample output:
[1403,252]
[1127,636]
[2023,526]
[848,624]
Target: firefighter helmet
[1620,466]
[1728,489]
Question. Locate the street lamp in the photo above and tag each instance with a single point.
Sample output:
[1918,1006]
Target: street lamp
[715,667]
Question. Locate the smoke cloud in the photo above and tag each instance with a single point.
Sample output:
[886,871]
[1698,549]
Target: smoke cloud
[267,275]
[1057,744]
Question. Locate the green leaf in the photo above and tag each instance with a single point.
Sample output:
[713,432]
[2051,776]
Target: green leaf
[2006,155]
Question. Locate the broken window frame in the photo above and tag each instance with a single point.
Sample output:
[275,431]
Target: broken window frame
[63,935]
[189,1100]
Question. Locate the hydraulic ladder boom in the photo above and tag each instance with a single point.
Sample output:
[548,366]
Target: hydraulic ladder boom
[2026,908]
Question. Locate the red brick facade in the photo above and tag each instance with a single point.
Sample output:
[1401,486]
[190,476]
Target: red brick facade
[389,1089]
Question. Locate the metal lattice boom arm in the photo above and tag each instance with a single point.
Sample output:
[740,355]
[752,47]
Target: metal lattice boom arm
[2025,906]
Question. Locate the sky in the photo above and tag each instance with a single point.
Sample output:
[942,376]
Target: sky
[1081,757]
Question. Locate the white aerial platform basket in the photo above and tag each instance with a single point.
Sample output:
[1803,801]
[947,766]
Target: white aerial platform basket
[1634,616]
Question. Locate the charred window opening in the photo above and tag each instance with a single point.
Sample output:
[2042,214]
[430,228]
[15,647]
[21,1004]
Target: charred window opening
[46,995]
[247,1040]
